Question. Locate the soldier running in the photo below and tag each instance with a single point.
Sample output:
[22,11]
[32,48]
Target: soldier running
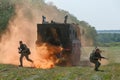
[24,51]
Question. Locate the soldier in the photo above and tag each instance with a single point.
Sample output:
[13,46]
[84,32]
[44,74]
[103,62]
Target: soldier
[43,19]
[24,51]
[95,56]
[65,20]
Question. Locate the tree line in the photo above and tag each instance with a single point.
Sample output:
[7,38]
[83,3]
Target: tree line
[108,39]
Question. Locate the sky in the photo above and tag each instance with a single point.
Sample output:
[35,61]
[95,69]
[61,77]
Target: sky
[101,14]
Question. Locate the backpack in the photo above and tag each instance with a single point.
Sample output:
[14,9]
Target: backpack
[91,56]
[28,51]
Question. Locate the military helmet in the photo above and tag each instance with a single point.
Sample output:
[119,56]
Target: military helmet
[20,41]
[98,50]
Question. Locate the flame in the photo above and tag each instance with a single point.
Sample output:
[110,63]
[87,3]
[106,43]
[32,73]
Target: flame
[46,55]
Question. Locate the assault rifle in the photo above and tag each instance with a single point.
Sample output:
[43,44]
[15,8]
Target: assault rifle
[103,58]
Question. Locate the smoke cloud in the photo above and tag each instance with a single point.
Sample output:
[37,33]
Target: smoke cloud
[23,26]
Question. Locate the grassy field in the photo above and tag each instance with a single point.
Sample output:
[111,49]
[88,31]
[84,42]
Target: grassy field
[111,69]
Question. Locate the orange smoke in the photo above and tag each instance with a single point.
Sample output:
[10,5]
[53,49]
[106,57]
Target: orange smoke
[19,28]
[22,26]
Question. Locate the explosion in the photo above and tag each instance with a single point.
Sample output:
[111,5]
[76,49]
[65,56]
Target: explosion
[46,56]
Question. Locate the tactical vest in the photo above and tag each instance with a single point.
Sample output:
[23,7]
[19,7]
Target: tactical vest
[92,56]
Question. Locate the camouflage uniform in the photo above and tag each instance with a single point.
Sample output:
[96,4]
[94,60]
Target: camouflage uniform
[95,57]
[24,51]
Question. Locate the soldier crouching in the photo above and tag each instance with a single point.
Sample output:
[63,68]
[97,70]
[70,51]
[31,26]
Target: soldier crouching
[95,56]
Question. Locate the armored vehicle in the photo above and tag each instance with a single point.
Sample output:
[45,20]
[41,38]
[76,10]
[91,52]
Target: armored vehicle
[65,35]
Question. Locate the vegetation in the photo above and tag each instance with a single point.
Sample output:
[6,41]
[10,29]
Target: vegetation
[111,44]
[6,12]
[9,72]
[89,33]
[108,39]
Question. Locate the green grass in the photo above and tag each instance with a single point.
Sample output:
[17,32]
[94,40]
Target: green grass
[10,72]
[111,70]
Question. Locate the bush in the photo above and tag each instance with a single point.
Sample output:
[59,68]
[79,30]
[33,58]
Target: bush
[6,12]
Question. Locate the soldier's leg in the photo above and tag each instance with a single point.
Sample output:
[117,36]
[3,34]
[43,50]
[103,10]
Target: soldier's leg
[21,63]
[27,57]
[97,65]
[95,62]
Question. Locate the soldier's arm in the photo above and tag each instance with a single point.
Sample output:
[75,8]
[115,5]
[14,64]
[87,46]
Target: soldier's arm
[104,57]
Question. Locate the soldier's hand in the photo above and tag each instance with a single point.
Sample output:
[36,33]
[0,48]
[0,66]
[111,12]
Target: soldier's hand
[100,59]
